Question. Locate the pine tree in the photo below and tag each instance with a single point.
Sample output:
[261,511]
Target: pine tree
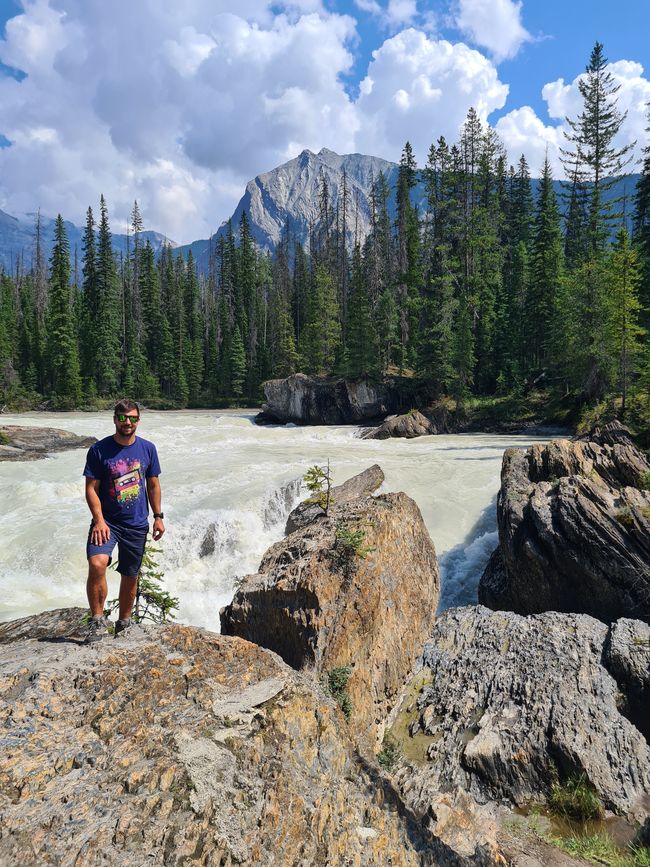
[642,233]
[409,277]
[543,326]
[624,307]
[237,364]
[591,155]
[63,354]
[362,342]
[108,332]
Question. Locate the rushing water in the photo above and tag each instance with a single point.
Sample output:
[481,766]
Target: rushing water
[226,493]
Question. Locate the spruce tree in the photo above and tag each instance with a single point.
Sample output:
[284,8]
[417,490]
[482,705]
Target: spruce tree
[63,353]
[108,334]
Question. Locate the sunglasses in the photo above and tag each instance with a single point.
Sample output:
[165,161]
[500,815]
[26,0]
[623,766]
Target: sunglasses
[134,419]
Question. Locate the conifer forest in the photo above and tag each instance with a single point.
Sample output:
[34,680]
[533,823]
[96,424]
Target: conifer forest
[488,289]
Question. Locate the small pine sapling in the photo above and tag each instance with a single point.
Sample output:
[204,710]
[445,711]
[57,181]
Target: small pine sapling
[151,601]
[319,482]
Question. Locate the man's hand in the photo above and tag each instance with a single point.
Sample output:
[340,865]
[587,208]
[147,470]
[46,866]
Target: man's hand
[100,532]
[158,529]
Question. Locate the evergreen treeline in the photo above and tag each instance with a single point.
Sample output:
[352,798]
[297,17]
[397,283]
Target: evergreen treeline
[488,290]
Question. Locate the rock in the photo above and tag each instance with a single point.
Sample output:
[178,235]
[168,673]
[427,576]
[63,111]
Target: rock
[320,606]
[412,424]
[302,399]
[627,656]
[179,746]
[19,443]
[574,529]
[504,700]
[362,485]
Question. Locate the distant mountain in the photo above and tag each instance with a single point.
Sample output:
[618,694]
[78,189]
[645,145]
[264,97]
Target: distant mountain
[285,198]
[288,197]
[17,240]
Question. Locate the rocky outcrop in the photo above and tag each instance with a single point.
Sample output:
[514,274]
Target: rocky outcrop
[19,443]
[410,425]
[574,529]
[505,702]
[362,485]
[627,656]
[176,746]
[324,599]
[302,399]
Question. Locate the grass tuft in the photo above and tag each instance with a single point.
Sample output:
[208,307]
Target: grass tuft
[575,798]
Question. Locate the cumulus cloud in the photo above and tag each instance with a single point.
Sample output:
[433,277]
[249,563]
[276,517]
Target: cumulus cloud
[179,105]
[418,88]
[393,15]
[493,24]
[522,131]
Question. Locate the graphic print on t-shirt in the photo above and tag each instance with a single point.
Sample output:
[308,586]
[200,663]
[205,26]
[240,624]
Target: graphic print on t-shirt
[127,480]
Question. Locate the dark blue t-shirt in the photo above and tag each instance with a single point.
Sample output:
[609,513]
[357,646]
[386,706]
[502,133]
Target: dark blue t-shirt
[122,471]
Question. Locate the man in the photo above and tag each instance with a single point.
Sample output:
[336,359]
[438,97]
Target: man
[121,481]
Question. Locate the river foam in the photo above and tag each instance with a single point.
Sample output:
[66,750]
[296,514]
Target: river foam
[228,486]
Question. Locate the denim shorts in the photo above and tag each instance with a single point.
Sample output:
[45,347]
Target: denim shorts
[130,543]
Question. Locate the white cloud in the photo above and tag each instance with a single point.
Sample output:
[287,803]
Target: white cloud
[523,131]
[175,105]
[418,89]
[493,24]
[395,14]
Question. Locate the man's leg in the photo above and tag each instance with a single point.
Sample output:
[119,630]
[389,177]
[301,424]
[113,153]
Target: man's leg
[96,587]
[128,588]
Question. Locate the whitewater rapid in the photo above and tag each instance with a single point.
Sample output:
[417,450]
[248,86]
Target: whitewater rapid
[228,486]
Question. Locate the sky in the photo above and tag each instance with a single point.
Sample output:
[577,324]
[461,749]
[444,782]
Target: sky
[179,104]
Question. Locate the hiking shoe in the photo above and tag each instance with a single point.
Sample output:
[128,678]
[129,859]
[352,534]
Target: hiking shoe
[97,629]
[122,626]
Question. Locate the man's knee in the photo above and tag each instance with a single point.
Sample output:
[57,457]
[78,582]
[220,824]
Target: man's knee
[97,565]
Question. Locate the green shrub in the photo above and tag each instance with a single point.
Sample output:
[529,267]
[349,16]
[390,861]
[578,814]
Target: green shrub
[644,481]
[575,798]
[336,683]
[151,601]
[389,754]
[624,516]
[4,439]
[599,848]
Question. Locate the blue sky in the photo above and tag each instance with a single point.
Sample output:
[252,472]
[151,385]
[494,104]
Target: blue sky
[180,104]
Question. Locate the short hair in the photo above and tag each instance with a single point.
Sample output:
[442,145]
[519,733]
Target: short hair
[124,405]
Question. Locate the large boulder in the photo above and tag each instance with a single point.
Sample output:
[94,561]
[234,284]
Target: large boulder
[574,529]
[176,746]
[362,485]
[20,443]
[302,399]
[325,599]
[410,425]
[507,704]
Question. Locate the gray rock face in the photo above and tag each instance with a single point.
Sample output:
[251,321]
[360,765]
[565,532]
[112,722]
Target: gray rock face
[627,656]
[410,425]
[362,485]
[302,399]
[31,443]
[510,697]
[320,604]
[574,529]
[176,746]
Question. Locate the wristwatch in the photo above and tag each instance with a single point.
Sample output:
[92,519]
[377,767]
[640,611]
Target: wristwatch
[158,515]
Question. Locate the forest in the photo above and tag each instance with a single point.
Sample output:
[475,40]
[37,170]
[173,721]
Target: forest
[487,291]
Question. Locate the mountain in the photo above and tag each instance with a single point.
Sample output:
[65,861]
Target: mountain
[288,197]
[17,240]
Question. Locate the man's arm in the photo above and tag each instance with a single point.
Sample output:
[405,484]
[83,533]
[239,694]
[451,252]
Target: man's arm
[100,532]
[154,494]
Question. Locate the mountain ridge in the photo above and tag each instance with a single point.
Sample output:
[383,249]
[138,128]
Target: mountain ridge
[282,199]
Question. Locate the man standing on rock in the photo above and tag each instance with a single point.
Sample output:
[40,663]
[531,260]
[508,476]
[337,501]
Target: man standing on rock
[121,481]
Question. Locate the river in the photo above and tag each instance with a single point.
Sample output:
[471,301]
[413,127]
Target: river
[223,476]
